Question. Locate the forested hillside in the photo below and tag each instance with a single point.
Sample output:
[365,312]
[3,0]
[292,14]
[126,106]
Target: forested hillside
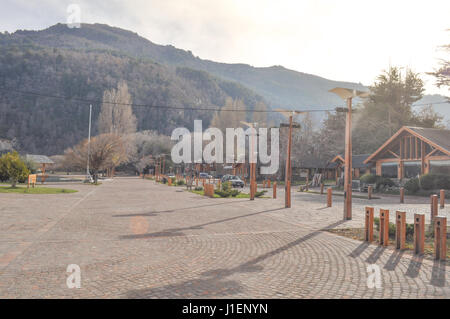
[279,86]
[48,125]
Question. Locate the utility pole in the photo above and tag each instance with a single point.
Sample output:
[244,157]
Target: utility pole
[89,144]
[288,167]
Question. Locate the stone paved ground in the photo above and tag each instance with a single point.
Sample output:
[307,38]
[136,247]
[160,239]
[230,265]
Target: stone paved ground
[135,239]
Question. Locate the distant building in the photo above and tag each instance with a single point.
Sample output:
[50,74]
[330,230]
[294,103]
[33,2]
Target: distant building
[358,166]
[413,151]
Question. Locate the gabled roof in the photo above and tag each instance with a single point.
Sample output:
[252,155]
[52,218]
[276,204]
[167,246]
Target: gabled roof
[438,138]
[357,160]
[39,159]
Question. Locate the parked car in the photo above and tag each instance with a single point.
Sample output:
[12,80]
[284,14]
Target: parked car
[235,180]
[204,175]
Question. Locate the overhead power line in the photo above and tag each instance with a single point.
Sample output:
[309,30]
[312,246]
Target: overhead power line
[181,108]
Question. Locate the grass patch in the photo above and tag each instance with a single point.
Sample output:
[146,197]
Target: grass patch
[35,190]
[202,192]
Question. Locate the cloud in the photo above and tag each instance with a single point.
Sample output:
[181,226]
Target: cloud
[343,40]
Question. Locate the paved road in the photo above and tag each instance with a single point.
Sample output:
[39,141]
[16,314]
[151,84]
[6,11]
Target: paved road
[133,238]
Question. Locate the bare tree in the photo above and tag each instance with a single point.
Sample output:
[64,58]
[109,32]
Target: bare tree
[106,150]
[116,115]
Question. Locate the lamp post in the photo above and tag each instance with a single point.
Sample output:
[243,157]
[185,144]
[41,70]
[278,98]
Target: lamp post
[348,95]
[288,167]
[89,146]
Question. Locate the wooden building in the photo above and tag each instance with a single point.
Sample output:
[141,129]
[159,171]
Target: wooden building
[359,167]
[41,160]
[413,151]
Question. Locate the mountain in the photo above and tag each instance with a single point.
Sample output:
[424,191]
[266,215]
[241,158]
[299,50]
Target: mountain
[439,107]
[46,124]
[279,86]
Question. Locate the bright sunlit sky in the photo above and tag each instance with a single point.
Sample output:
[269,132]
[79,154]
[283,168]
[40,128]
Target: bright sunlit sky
[347,40]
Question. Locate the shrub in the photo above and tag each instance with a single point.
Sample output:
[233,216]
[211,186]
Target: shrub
[259,194]
[234,192]
[227,193]
[173,180]
[382,182]
[222,193]
[13,168]
[376,221]
[198,189]
[368,179]
[180,182]
[434,181]
[392,228]
[410,230]
[427,181]
[226,186]
[442,181]
[412,186]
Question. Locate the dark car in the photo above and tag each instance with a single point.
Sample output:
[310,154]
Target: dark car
[234,180]
[204,175]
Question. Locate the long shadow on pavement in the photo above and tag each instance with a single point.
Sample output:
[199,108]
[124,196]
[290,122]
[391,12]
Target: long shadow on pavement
[178,231]
[438,273]
[154,213]
[215,284]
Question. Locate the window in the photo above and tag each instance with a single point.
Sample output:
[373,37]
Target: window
[389,170]
[440,167]
[412,169]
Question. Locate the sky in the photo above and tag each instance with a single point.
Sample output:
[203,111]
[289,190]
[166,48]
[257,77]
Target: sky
[346,40]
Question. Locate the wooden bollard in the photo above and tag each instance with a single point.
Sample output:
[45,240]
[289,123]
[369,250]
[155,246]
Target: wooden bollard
[384,227]
[442,198]
[196,182]
[329,197]
[288,194]
[218,184]
[263,184]
[440,237]
[169,182]
[268,183]
[321,188]
[400,230]
[419,234]
[369,192]
[402,195]
[274,190]
[369,224]
[434,207]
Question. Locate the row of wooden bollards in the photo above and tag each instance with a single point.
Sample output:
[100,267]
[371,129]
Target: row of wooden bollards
[439,224]
[434,198]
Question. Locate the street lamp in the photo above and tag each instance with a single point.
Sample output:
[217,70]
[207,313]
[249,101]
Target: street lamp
[288,168]
[348,95]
